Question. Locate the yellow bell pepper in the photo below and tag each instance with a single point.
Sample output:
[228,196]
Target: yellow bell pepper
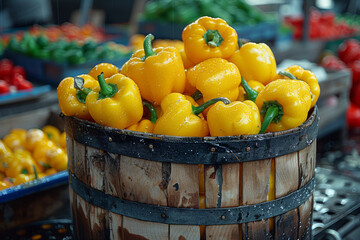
[146,125]
[137,41]
[255,85]
[107,69]
[57,158]
[21,162]
[283,104]
[157,72]
[5,153]
[33,138]
[236,118]
[14,141]
[39,153]
[116,102]
[215,77]
[298,73]
[186,61]
[180,117]
[23,178]
[52,133]
[169,43]
[255,62]
[4,185]
[72,93]
[209,38]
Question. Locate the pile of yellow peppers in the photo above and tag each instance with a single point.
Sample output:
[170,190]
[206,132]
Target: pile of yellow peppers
[208,84]
[31,154]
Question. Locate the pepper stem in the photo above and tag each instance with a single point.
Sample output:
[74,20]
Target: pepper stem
[288,75]
[202,107]
[147,46]
[106,90]
[153,114]
[272,112]
[197,95]
[250,93]
[81,92]
[213,38]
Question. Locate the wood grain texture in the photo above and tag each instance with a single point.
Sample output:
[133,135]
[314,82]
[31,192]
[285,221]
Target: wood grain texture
[134,229]
[98,217]
[70,153]
[80,169]
[115,225]
[305,219]
[83,229]
[141,181]
[223,184]
[183,191]
[255,187]
[307,159]
[286,181]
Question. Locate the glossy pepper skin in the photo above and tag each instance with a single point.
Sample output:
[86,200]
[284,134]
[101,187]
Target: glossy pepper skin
[107,69]
[157,72]
[215,77]
[298,73]
[209,38]
[72,100]
[116,102]
[236,118]
[180,117]
[290,98]
[255,62]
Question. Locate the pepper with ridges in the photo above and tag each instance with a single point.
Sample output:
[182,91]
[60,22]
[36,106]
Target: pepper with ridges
[207,38]
[180,117]
[146,125]
[116,102]
[157,72]
[72,93]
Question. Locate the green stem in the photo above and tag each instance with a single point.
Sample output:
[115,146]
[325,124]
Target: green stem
[250,93]
[81,92]
[271,113]
[213,38]
[197,95]
[202,107]
[106,90]
[153,114]
[288,75]
[35,172]
[148,47]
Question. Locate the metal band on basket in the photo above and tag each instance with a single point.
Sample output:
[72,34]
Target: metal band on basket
[193,150]
[191,216]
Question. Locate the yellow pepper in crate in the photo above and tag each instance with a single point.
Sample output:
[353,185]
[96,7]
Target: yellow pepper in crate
[298,73]
[146,125]
[284,104]
[209,38]
[180,117]
[5,153]
[72,93]
[20,162]
[57,158]
[14,140]
[39,153]
[255,62]
[52,133]
[23,178]
[116,102]
[157,72]
[4,185]
[107,69]
[34,137]
[236,118]
[215,77]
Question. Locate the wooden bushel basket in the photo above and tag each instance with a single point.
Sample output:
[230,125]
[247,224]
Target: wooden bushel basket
[132,185]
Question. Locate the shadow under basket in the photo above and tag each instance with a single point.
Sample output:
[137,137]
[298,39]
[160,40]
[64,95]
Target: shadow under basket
[133,185]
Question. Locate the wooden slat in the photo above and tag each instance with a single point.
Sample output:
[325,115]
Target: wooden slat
[307,158]
[255,185]
[307,161]
[286,181]
[98,216]
[305,222]
[83,230]
[142,230]
[222,190]
[80,162]
[142,181]
[112,187]
[183,191]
